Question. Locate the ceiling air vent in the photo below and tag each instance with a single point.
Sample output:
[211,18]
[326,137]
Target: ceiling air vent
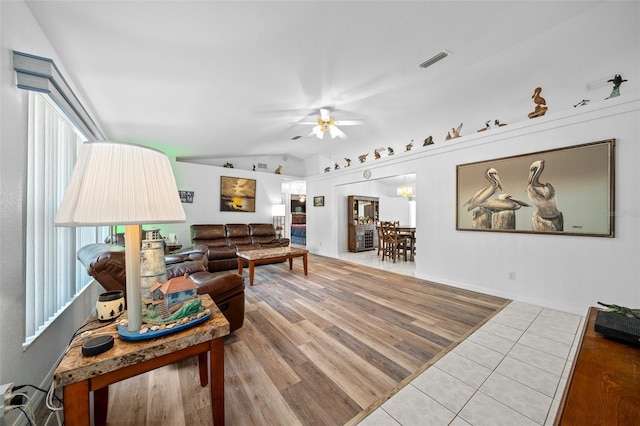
[434,59]
[262,166]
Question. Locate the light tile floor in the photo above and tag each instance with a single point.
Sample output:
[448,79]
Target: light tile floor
[511,371]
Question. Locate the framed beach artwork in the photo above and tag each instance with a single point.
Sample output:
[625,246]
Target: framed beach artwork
[566,191]
[318,201]
[237,194]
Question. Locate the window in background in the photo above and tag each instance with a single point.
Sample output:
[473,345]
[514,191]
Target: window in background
[53,276]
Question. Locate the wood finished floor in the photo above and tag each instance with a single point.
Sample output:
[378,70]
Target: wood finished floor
[322,349]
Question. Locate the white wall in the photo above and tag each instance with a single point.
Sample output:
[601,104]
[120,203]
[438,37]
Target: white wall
[204,181]
[19,31]
[563,272]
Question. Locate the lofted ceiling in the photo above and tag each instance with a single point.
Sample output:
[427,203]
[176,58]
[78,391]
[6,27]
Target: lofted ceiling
[222,79]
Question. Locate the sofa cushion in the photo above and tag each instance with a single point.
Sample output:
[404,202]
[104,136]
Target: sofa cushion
[237,230]
[262,232]
[185,268]
[208,232]
[250,246]
[238,234]
[226,252]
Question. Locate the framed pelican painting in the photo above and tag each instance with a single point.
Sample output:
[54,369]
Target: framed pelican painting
[566,191]
[237,194]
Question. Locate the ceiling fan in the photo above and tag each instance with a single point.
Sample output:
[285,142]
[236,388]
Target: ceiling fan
[327,123]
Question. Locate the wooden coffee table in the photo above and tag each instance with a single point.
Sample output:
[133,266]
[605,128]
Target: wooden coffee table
[270,255]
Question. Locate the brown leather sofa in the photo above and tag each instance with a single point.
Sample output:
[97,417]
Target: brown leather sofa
[223,241]
[106,264]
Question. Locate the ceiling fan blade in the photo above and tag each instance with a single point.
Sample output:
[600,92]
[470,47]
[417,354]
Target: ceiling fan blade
[336,132]
[303,122]
[317,130]
[325,115]
[349,122]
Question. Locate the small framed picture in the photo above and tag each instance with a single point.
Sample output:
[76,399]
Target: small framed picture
[318,201]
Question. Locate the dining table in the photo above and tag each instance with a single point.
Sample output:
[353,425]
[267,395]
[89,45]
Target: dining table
[410,232]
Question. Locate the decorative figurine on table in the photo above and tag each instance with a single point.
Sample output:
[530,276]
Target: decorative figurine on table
[279,170]
[617,81]
[455,133]
[362,158]
[408,146]
[540,102]
[171,306]
[376,153]
[348,160]
[327,169]
[228,165]
[582,103]
[254,168]
[428,141]
[336,166]
[390,151]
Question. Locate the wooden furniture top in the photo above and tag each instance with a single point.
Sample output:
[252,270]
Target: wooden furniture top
[75,367]
[271,253]
[604,386]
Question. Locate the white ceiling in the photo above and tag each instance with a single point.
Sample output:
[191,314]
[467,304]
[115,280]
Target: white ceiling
[214,79]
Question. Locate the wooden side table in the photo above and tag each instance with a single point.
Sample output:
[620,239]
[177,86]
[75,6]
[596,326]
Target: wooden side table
[80,375]
[604,385]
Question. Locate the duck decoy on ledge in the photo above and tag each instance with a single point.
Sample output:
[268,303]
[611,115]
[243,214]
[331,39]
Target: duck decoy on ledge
[540,102]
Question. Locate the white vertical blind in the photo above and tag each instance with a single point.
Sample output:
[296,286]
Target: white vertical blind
[53,276]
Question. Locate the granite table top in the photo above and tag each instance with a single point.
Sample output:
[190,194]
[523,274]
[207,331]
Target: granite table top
[74,367]
[271,253]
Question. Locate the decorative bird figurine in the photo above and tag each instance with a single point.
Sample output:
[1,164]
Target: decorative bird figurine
[336,166]
[376,153]
[408,146]
[543,196]
[362,158]
[390,151]
[327,169]
[279,170]
[455,133]
[348,160]
[617,81]
[485,193]
[428,141]
[540,102]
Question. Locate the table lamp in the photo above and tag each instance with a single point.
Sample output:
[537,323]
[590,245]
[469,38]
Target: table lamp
[122,184]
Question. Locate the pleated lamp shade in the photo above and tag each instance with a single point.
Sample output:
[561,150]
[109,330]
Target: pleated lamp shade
[120,184]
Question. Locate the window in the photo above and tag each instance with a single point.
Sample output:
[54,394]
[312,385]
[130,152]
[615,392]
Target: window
[57,126]
[53,275]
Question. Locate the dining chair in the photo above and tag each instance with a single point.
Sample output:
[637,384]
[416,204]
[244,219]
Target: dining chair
[393,244]
[380,238]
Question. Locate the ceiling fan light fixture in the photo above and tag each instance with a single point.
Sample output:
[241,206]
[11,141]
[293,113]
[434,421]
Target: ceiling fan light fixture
[434,59]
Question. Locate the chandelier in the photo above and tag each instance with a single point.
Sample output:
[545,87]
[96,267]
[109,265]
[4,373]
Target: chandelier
[404,190]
